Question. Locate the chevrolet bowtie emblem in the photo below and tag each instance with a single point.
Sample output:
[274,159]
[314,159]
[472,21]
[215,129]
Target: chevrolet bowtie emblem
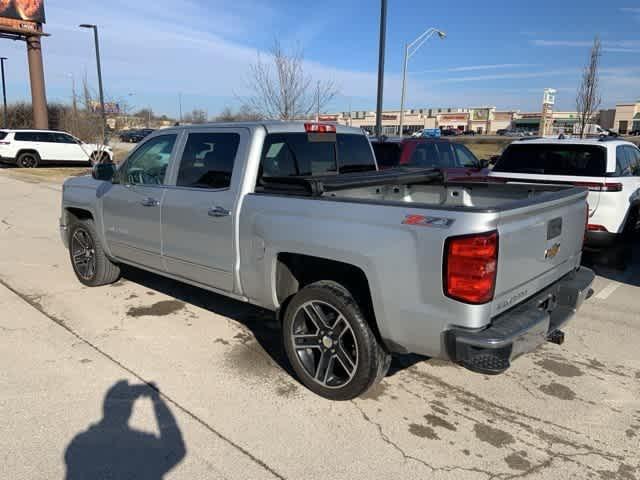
[552,251]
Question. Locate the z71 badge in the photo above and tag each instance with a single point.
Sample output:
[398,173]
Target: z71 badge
[421,220]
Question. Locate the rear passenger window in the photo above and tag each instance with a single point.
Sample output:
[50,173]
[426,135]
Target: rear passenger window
[634,160]
[26,137]
[207,161]
[623,163]
[47,137]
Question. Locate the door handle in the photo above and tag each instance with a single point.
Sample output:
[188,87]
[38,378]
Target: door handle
[150,202]
[218,212]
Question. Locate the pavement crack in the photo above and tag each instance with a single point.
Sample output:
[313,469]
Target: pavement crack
[35,302]
[385,438]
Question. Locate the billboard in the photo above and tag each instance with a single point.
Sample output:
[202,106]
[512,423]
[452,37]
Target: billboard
[549,97]
[110,108]
[481,115]
[29,10]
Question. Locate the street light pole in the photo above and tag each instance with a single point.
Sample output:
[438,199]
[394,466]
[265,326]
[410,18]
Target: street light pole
[4,95]
[99,66]
[409,50]
[381,52]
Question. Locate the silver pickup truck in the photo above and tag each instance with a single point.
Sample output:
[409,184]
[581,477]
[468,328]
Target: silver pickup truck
[357,263]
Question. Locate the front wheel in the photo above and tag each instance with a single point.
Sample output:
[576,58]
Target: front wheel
[90,263]
[329,343]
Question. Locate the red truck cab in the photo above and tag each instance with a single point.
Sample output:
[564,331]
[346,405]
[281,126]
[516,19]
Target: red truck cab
[456,161]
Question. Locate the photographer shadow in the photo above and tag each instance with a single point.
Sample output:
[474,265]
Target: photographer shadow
[111,449]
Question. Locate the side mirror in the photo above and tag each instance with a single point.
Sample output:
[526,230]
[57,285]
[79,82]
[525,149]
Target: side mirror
[103,171]
[483,164]
[494,159]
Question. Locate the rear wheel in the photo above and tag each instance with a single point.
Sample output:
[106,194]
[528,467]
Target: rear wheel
[28,160]
[330,345]
[90,263]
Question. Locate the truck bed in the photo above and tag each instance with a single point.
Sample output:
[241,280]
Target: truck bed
[421,188]
[370,221]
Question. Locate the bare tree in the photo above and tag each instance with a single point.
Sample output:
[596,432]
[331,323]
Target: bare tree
[196,116]
[282,90]
[588,98]
[242,115]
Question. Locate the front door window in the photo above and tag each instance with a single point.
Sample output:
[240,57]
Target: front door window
[148,164]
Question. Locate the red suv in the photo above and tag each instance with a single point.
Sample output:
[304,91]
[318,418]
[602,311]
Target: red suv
[455,160]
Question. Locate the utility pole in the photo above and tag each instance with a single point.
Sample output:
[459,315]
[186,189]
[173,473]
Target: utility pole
[4,95]
[381,52]
[100,89]
[180,107]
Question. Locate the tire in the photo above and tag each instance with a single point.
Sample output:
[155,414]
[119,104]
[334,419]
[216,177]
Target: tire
[28,160]
[329,343]
[84,244]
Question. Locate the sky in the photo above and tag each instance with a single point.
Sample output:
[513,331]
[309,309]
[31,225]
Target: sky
[501,54]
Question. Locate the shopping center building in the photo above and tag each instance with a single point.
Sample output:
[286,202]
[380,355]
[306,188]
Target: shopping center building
[627,117]
[481,120]
[486,120]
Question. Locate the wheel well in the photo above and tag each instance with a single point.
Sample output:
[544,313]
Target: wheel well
[27,150]
[79,214]
[295,271]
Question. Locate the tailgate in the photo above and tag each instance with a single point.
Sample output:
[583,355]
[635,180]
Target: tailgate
[592,183]
[538,244]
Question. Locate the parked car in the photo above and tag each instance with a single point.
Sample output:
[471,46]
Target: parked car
[31,148]
[634,133]
[450,132]
[135,136]
[455,160]
[471,133]
[357,263]
[609,169]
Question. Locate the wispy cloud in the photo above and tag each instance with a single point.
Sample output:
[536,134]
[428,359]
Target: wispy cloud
[473,68]
[508,76]
[613,46]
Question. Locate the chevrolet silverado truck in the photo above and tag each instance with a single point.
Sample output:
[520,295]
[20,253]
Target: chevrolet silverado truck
[357,263]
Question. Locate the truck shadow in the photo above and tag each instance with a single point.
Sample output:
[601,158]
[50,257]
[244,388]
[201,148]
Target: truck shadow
[604,265]
[263,324]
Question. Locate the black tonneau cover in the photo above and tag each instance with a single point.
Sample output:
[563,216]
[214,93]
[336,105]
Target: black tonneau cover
[318,185]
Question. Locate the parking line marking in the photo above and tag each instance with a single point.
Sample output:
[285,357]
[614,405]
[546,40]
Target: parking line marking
[612,287]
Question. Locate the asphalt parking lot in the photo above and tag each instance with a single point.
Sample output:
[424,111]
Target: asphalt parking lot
[77,361]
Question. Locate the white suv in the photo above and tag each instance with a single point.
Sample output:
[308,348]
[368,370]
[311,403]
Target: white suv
[30,148]
[610,169]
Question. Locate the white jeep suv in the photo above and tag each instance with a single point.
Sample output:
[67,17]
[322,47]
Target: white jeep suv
[30,148]
[610,169]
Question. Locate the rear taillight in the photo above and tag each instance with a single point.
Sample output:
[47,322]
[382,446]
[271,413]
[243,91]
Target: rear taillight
[470,267]
[596,228]
[319,128]
[600,187]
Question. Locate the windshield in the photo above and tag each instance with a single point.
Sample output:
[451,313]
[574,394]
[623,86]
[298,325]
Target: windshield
[554,159]
[297,154]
